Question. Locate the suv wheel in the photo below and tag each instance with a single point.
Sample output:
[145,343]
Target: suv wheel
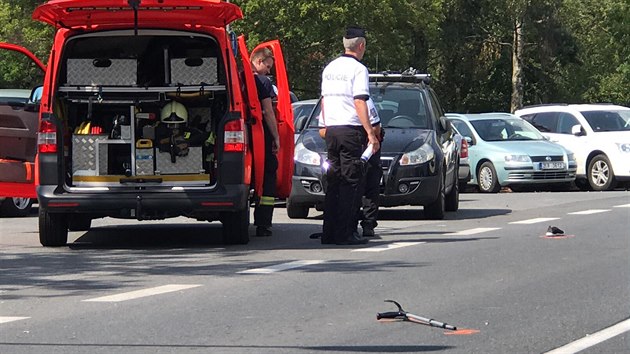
[452,198]
[487,178]
[296,211]
[435,210]
[53,229]
[600,174]
[16,206]
[236,227]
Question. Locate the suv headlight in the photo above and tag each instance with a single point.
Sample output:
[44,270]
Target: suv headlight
[517,160]
[423,154]
[306,156]
[623,147]
[571,157]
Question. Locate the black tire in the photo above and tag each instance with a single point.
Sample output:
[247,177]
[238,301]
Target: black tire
[296,211]
[16,207]
[53,229]
[435,210]
[79,223]
[452,199]
[487,178]
[600,174]
[582,184]
[236,227]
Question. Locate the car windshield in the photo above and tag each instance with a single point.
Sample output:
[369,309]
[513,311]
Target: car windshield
[397,107]
[505,129]
[608,121]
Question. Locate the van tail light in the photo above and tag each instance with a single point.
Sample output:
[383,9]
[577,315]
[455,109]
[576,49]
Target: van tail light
[47,137]
[464,152]
[234,136]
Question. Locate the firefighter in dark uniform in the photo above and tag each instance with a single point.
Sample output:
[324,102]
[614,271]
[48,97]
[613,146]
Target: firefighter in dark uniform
[345,92]
[372,181]
[262,61]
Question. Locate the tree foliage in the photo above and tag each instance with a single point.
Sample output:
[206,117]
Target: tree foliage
[18,28]
[574,50]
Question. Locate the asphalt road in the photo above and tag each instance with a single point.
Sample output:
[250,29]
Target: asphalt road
[172,287]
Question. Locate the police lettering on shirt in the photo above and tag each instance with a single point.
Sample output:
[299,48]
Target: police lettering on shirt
[343,80]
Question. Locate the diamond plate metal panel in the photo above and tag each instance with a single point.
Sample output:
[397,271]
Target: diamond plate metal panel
[84,153]
[182,74]
[83,72]
[192,163]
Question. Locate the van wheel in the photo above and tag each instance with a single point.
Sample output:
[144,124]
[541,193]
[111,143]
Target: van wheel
[236,227]
[435,210]
[79,223]
[16,206]
[487,178]
[452,198]
[296,211]
[600,174]
[53,229]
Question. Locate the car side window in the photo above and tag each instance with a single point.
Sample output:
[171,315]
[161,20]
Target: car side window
[565,122]
[437,109]
[462,128]
[545,122]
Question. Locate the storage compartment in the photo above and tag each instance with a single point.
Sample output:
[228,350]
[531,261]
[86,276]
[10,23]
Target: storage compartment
[168,163]
[85,157]
[194,71]
[102,72]
[159,133]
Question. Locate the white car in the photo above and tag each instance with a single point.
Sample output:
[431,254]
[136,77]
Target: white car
[598,134]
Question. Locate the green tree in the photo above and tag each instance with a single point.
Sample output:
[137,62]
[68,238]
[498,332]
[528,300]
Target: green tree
[601,72]
[310,32]
[19,28]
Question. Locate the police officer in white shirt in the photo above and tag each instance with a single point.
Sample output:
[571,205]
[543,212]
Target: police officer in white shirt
[345,92]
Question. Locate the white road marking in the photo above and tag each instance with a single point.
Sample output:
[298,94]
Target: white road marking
[473,231]
[593,339]
[589,212]
[5,319]
[389,246]
[281,267]
[77,276]
[533,221]
[622,206]
[143,293]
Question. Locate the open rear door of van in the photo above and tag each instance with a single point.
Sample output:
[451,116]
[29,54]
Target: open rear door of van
[255,118]
[18,136]
[284,117]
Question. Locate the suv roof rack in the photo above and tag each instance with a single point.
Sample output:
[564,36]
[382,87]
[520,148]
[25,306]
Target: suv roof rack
[409,75]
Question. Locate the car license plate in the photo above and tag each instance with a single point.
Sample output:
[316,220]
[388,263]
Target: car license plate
[553,165]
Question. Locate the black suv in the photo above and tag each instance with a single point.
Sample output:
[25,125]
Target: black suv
[419,156]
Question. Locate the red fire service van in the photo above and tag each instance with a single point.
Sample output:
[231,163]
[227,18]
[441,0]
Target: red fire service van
[149,111]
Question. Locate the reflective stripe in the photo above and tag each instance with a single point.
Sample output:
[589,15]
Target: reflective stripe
[266,200]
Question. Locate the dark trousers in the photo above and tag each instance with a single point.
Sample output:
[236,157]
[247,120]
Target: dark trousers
[263,212]
[370,190]
[345,172]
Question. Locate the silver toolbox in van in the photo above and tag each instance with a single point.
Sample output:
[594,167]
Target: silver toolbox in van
[102,72]
[189,164]
[194,71]
[85,155]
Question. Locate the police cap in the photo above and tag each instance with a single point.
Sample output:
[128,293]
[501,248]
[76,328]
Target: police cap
[354,32]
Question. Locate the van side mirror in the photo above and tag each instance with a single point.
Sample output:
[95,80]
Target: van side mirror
[34,99]
[469,140]
[577,130]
